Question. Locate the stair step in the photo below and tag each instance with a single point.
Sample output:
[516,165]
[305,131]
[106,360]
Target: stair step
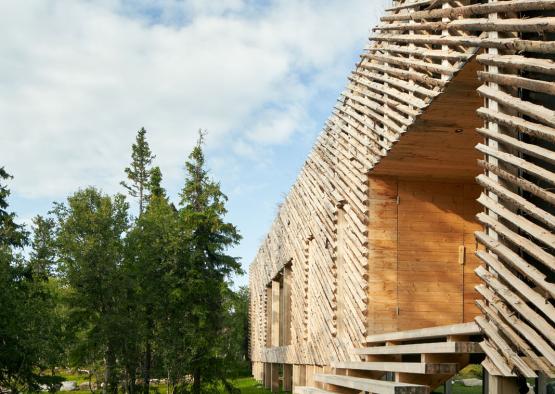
[372,385]
[427,348]
[309,390]
[405,367]
[426,333]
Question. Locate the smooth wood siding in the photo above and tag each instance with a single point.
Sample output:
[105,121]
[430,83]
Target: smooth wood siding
[417,231]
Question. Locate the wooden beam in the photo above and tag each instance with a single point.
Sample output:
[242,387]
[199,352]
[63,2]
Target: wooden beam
[433,347]
[426,333]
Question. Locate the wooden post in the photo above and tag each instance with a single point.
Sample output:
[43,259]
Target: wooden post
[275,313]
[267,376]
[309,375]
[299,375]
[286,300]
[287,377]
[541,382]
[448,387]
[502,385]
[268,317]
[274,372]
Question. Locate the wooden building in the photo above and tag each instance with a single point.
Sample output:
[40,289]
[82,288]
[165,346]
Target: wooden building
[418,235]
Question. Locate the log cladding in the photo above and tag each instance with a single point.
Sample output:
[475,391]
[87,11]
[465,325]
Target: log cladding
[440,85]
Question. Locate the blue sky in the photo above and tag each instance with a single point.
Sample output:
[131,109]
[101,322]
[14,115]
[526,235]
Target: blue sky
[80,78]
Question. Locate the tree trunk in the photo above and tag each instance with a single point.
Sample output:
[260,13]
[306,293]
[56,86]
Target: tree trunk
[196,381]
[106,375]
[132,377]
[148,351]
[110,385]
[146,371]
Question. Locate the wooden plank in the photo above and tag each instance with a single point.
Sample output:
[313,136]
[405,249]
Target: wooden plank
[426,333]
[434,347]
[405,367]
[473,10]
[275,313]
[504,348]
[518,304]
[518,324]
[372,385]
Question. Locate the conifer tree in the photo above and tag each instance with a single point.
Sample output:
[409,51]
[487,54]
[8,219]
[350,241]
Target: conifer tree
[90,245]
[16,361]
[207,266]
[150,245]
[28,324]
[139,171]
[11,234]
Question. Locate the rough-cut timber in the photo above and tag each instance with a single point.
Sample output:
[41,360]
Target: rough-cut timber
[446,128]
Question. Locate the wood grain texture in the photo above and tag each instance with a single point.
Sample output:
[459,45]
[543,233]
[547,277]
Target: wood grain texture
[362,263]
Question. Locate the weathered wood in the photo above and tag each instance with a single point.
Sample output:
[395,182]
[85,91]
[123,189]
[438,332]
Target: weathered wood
[518,124]
[372,385]
[426,333]
[520,202]
[520,82]
[518,240]
[432,348]
[408,260]
[514,260]
[405,367]
[423,52]
[476,24]
[538,112]
[544,66]
[525,330]
[473,10]
[513,44]
[537,363]
[528,313]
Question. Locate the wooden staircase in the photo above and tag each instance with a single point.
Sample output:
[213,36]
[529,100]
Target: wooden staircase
[403,362]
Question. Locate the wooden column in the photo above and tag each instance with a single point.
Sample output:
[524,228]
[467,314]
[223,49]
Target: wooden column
[268,317]
[310,375]
[286,300]
[274,371]
[287,377]
[275,314]
[502,385]
[299,375]
[267,376]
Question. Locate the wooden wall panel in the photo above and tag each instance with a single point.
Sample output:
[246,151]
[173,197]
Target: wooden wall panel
[415,56]
[416,230]
[382,255]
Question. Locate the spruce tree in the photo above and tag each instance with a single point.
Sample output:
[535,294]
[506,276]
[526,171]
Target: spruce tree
[207,266]
[139,171]
[91,228]
[16,359]
[150,246]
[11,234]
[29,327]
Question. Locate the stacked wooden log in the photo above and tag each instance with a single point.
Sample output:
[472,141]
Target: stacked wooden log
[518,313]
[392,84]
[321,227]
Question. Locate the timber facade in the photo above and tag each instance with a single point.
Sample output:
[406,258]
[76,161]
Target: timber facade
[418,235]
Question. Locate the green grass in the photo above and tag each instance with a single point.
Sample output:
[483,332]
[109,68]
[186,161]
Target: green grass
[249,386]
[246,385]
[460,389]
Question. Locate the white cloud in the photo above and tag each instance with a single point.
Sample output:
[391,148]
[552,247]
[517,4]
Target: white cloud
[80,77]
